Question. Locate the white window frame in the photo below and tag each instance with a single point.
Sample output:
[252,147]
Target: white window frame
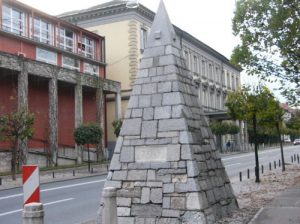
[87,47]
[9,24]
[143,37]
[42,34]
[66,65]
[40,57]
[88,71]
[65,42]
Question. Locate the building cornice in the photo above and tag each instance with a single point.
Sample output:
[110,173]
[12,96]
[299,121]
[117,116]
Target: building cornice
[116,9]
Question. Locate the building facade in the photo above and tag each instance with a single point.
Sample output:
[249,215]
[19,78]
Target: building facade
[126,31]
[55,70]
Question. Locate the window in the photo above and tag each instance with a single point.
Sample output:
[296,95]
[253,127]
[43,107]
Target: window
[143,38]
[13,20]
[87,47]
[46,56]
[91,69]
[187,59]
[70,63]
[66,39]
[42,31]
[196,64]
[203,69]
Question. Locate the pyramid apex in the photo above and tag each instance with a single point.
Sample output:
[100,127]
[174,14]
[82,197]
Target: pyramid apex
[162,31]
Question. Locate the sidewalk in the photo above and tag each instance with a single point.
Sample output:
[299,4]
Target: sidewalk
[59,175]
[284,209]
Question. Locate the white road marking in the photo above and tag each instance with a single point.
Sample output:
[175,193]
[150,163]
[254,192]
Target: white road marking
[49,203]
[55,188]
[233,164]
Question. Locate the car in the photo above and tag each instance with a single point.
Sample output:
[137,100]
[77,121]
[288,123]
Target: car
[296,141]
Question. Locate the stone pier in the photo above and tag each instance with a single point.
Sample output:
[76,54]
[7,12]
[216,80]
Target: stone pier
[165,166]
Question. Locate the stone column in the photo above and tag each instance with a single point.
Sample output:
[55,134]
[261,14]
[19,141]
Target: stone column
[33,213]
[23,104]
[118,105]
[100,118]
[53,120]
[78,117]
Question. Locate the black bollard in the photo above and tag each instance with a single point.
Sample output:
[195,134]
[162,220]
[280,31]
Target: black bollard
[73,173]
[53,175]
[262,168]
[270,166]
[274,164]
[248,173]
[292,159]
[298,158]
[0,181]
[295,157]
[240,176]
[279,163]
[92,170]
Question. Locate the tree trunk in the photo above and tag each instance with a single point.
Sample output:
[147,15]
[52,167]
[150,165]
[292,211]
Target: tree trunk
[281,146]
[14,159]
[257,180]
[89,163]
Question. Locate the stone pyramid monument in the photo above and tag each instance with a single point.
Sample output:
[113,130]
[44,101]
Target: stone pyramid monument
[165,165]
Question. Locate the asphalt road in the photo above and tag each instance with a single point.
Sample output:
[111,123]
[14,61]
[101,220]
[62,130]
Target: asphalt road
[76,201]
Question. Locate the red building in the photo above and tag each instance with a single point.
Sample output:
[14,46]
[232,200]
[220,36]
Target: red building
[57,71]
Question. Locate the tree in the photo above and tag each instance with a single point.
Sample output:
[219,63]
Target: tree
[87,134]
[17,127]
[293,125]
[117,124]
[273,117]
[270,42]
[219,128]
[248,105]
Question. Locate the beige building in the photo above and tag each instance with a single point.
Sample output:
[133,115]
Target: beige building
[126,29]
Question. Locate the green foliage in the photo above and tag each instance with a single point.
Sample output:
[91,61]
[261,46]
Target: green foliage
[88,134]
[17,125]
[117,124]
[219,128]
[269,33]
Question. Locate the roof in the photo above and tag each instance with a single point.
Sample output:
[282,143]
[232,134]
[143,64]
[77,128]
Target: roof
[119,6]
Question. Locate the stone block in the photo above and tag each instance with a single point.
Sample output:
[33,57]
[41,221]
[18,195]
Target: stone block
[118,145]
[137,89]
[190,186]
[129,193]
[126,220]
[186,137]
[196,201]
[164,87]
[164,178]
[145,101]
[143,73]
[172,125]
[170,213]
[137,113]
[149,88]
[166,202]
[127,154]
[137,175]
[162,112]
[146,211]
[131,127]
[119,175]
[166,60]
[210,196]
[173,98]
[156,195]
[156,100]
[168,221]
[178,203]
[124,202]
[154,51]
[148,113]
[145,195]
[123,211]
[115,162]
[193,217]
[167,134]
[146,63]
[186,152]
[133,102]
[116,184]
[149,129]
[192,168]
[179,178]
[151,176]
[168,188]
